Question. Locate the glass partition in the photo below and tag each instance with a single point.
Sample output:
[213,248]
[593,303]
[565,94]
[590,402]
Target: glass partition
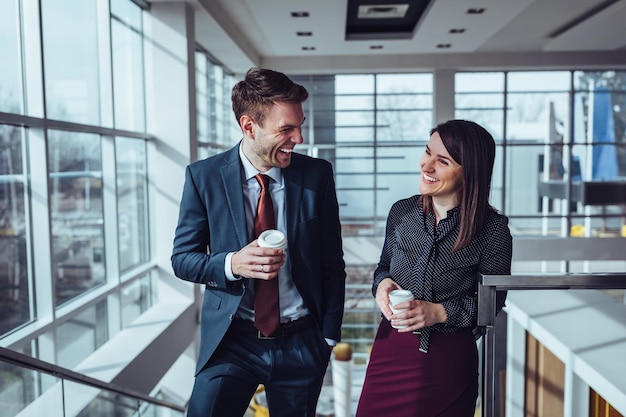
[76,210]
[132,202]
[15,284]
[128,69]
[70,46]
[10,51]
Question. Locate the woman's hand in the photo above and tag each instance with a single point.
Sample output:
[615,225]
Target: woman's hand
[420,314]
[382,296]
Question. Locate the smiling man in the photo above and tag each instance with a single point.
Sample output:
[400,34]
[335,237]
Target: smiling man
[225,199]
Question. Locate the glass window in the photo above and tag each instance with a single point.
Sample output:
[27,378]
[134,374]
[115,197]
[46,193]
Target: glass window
[475,103]
[398,175]
[70,42]
[480,97]
[217,108]
[354,160]
[202,99]
[217,128]
[354,84]
[539,81]
[490,119]
[355,193]
[136,298]
[600,124]
[354,102]
[80,336]
[132,202]
[538,117]
[524,167]
[404,83]
[21,386]
[400,101]
[479,82]
[75,161]
[320,108]
[10,51]
[14,281]
[350,134]
[105,403]
[404,104]
[403,125]
[128,69]
[128,12]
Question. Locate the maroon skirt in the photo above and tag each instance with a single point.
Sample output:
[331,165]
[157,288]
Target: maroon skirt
[401,381]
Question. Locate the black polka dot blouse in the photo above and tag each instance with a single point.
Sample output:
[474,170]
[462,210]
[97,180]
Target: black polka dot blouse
[418,256]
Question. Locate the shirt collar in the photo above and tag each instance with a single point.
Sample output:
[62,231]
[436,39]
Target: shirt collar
[250,171]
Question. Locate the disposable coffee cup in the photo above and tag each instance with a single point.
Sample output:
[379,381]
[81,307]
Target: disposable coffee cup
[272,238]
[397,297]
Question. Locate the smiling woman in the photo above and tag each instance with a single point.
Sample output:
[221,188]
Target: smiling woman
[442,176]
[436,246]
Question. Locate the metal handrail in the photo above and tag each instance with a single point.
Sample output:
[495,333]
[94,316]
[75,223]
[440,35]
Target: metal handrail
[489,285]
[25,361]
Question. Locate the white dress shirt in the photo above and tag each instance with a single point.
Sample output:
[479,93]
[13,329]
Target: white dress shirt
[291,304]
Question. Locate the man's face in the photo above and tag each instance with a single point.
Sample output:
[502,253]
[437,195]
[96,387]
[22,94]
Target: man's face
[272,143]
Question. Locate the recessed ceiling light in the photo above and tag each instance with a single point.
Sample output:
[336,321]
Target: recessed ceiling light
[299,14]
[376,47]
[476,10]
[382,11]
[444,45]
[460,30]
[308,48]
[304,33]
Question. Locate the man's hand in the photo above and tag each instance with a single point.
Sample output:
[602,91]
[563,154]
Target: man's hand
[255,262]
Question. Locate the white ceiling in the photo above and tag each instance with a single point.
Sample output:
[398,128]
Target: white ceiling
[510,33]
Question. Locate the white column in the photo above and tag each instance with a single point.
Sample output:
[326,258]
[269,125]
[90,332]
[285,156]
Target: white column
[341,365]
[443,95]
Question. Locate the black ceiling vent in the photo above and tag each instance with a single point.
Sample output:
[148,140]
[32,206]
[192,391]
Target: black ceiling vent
[383,19]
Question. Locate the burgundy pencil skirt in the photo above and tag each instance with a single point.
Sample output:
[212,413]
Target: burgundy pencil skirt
[401,381]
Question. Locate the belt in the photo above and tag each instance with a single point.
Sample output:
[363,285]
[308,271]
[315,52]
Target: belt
[284,329]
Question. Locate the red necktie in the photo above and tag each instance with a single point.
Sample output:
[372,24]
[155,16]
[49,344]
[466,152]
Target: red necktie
[266,310]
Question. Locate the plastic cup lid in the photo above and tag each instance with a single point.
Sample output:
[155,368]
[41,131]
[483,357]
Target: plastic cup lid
[272,239]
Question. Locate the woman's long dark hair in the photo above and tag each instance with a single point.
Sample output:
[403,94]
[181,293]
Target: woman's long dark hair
[473,147]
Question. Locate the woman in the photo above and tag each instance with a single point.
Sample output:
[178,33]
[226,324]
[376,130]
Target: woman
[436,245]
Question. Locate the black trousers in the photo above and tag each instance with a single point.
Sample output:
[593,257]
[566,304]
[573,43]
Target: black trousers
[290,366]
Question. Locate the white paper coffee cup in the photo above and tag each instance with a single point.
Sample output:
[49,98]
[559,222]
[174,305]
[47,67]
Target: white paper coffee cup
[396,297]
[272,238]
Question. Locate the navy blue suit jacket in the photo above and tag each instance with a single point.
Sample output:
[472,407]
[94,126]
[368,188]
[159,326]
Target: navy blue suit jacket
[212,223]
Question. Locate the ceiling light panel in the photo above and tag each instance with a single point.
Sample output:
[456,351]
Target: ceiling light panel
[389,11]
[383,19]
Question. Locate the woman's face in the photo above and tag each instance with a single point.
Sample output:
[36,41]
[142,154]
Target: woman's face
[442,176]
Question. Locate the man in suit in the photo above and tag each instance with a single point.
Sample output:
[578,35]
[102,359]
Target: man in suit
[215,245]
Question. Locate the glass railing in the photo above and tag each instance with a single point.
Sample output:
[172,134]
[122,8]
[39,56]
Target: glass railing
[30,387]
[360,320]
[489,285]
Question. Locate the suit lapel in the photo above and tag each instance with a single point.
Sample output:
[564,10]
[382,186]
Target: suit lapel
[232,180]
[293,199]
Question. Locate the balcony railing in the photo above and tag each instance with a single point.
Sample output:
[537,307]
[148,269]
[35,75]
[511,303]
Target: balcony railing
[34,388]
[489,285]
